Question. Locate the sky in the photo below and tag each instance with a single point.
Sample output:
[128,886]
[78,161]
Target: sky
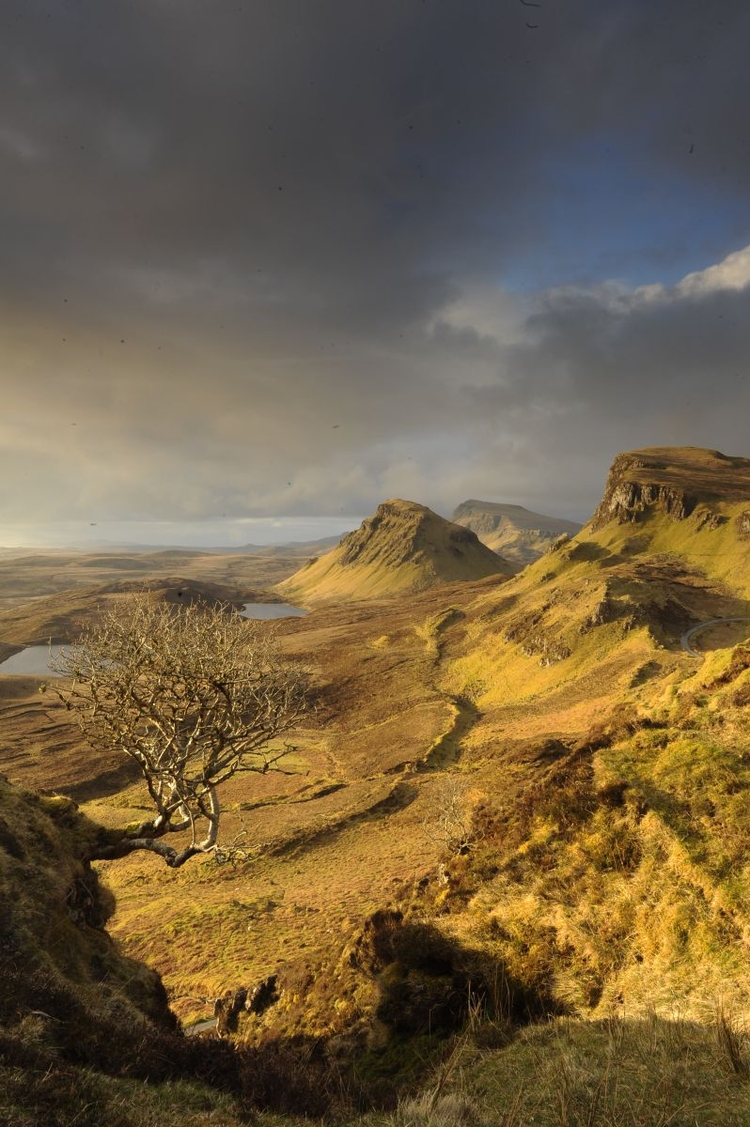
[266,263]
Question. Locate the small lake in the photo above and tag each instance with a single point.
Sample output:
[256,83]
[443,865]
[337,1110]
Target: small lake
[270,610]
[33,661]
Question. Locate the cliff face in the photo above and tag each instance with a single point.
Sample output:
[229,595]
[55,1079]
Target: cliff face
[625,499]
[674,482]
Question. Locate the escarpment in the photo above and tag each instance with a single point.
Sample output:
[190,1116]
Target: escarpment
[627,495]
[674,482]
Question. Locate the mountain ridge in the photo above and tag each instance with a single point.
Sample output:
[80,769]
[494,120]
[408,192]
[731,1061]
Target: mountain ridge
[513,531]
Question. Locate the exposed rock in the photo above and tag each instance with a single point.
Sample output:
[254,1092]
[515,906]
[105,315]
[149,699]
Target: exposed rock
[673,481]
[263,995]
[743,525]
[227,1010]
[706,518]
[625,501]
[606,610]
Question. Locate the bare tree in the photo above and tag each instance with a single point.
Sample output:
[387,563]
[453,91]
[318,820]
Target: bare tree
[451,820]
[194,694]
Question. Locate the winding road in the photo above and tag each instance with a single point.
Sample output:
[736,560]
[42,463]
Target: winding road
[687,637]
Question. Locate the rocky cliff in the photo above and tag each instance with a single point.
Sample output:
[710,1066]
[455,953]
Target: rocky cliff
[678,482]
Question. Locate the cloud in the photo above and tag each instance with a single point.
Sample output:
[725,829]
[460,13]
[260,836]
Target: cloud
[604,368]
[731,274]
[288,258]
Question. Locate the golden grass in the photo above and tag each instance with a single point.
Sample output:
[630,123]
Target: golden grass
[647,1073]
[605,767]
[716,552]
[29,575]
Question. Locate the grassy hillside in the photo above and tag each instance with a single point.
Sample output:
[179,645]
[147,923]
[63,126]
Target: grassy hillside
[402,548]
[85,1033]
[611,869]
[519,808]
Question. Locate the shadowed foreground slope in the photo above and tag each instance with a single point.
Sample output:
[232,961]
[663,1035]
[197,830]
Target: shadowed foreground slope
[75,1013]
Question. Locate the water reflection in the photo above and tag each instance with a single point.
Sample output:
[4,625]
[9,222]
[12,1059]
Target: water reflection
[270,610]
[33,661]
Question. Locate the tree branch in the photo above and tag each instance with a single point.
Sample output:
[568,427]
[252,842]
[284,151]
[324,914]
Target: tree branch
[193,694]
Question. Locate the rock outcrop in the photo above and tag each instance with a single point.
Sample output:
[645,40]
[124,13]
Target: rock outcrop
[674,482]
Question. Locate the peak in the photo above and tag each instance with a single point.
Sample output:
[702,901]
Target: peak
[397,505]
[491,506]
[513,531]
[403,546]
[401,530]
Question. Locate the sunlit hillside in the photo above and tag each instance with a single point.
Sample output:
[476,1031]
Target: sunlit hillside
[518,809]
[404,547]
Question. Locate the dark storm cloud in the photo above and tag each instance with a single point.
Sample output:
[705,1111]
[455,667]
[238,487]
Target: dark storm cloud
[310,139]
[604,368]
[237,237]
